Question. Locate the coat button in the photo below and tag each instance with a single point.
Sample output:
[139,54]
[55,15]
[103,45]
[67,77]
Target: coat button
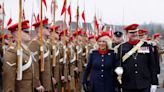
[102,65]
[102,60]
[136,72]
[135,65]
[102,55]
[102,70]
[102,75]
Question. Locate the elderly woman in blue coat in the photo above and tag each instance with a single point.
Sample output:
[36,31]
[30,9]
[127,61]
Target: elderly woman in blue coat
[102,67]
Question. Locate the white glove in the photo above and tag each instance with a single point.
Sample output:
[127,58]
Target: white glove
[85,65]
[76,69]
[153,88]
[62,77]
[40,89]
[54,80]
[119,70]
[158,75]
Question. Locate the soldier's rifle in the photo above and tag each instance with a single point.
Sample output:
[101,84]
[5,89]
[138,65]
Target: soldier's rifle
[19,50]
[64,49]
[20,67]
[76,49]
[54,47]
[41,39]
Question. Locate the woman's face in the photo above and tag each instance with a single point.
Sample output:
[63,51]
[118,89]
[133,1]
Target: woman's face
[102,44]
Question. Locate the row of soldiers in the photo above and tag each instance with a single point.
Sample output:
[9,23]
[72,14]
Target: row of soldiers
[64,59]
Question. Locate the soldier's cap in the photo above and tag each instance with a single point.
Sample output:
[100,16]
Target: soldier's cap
[118,33]
[148,38]
[24,25]
[5,36]
[61,33]
[91,37]
[70,38]
[131,28]
[79,31]
[45,23]
[157,35]
[54,27]
[142,32]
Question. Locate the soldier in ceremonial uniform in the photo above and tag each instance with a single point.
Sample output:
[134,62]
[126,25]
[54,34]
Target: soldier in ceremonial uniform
[2,51]
[79,63]
[101,65]
[143,34]
[55,50]
[156,40]
[117,38]
[63,68]
[36,48]
[30,78]
[157,37]
[137,61]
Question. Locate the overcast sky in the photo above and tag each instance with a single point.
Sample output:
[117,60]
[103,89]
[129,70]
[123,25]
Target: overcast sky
[112,11]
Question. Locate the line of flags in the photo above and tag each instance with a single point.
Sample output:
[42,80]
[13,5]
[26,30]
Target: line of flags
[64,9]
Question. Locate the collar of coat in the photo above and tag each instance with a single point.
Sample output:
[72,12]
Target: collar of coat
[134,42]
[103,52]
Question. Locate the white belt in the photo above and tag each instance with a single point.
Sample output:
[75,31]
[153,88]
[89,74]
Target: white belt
[28,64]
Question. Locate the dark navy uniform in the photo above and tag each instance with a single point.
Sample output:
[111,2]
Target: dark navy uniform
[139,69]
[101,67]
[157,59]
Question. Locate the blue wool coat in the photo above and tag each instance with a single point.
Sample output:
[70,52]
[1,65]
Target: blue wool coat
[100,68]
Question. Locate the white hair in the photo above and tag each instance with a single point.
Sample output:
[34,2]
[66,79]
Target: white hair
[108,40]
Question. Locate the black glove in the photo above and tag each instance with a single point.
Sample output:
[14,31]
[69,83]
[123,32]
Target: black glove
[85,87]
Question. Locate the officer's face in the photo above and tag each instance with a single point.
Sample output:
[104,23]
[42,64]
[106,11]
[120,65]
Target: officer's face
[25,36]
[133,35]
[46,32]
[80,38]
[7,42]
[102,44]
[92,41]
[158,38]
[118,39]
[54,36]
[144,37]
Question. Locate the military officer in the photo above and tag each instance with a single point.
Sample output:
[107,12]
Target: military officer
[36,48]
[80,58]
[117,38]
[137,61]
[72,66]
[64,59]
[143,34]
[156,39]
[55,50]
[29,79]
